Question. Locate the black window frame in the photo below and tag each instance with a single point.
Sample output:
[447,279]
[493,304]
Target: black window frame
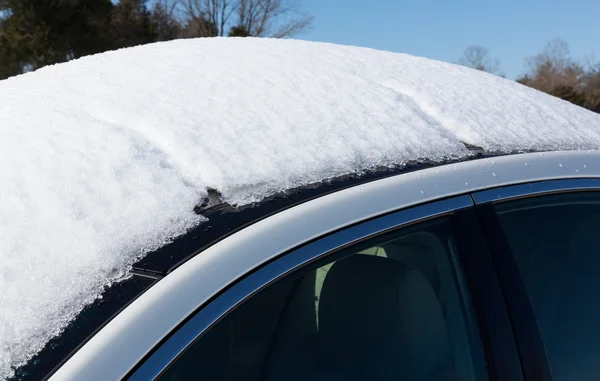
[497,339]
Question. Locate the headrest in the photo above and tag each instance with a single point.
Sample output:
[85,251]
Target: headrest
[380,316]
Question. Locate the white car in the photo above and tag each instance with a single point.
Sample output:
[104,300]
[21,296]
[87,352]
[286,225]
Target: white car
[483,265]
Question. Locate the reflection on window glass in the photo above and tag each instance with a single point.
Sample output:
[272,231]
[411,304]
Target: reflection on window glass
[554,241]
[387,309]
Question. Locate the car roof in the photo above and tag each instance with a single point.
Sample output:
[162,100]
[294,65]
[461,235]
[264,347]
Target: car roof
[123,145]
[223,221]
[195,282]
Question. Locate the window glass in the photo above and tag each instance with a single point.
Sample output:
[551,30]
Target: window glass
[554,241]
[386,309]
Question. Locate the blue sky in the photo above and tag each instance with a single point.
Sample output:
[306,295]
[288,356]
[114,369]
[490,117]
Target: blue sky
[442,29]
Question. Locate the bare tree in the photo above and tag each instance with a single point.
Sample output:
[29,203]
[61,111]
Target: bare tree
[165,24]
[272,18]
[555,72]
[592,87]
[479,58]
[208,18]
[259,18]
[554,68]
[556,52]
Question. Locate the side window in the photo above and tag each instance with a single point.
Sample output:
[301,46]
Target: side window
[387,309]
[554,241]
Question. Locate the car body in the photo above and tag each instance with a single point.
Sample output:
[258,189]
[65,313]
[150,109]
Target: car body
[289,233]
[264,210]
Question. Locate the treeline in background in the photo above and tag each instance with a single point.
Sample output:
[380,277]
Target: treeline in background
[36,33]
[553,71]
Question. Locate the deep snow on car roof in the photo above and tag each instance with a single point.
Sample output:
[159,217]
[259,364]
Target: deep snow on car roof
[223,220]
[103,159]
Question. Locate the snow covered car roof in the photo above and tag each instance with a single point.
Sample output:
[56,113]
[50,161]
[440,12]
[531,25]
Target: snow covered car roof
[103,159]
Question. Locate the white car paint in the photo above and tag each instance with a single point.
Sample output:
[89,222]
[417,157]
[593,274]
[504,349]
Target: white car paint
[124,341]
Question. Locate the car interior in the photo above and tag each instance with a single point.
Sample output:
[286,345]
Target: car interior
[391,311]
[554,242]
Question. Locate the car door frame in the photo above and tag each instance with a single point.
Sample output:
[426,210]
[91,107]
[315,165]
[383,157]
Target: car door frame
[147,322]
[527,334]
[500,351]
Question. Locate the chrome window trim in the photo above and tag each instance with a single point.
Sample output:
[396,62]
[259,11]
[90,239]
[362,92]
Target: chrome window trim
[124,342]
[210,314]
[536,189]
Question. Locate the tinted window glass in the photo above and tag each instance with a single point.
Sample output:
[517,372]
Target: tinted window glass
[555,243]
[387,309]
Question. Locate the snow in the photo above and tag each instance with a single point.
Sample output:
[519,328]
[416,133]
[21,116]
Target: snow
[102,159]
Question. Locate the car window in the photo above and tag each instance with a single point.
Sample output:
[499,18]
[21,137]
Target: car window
[386,309]
[554,240]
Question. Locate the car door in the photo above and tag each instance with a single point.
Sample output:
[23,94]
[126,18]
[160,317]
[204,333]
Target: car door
[543,238]
[408,295]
